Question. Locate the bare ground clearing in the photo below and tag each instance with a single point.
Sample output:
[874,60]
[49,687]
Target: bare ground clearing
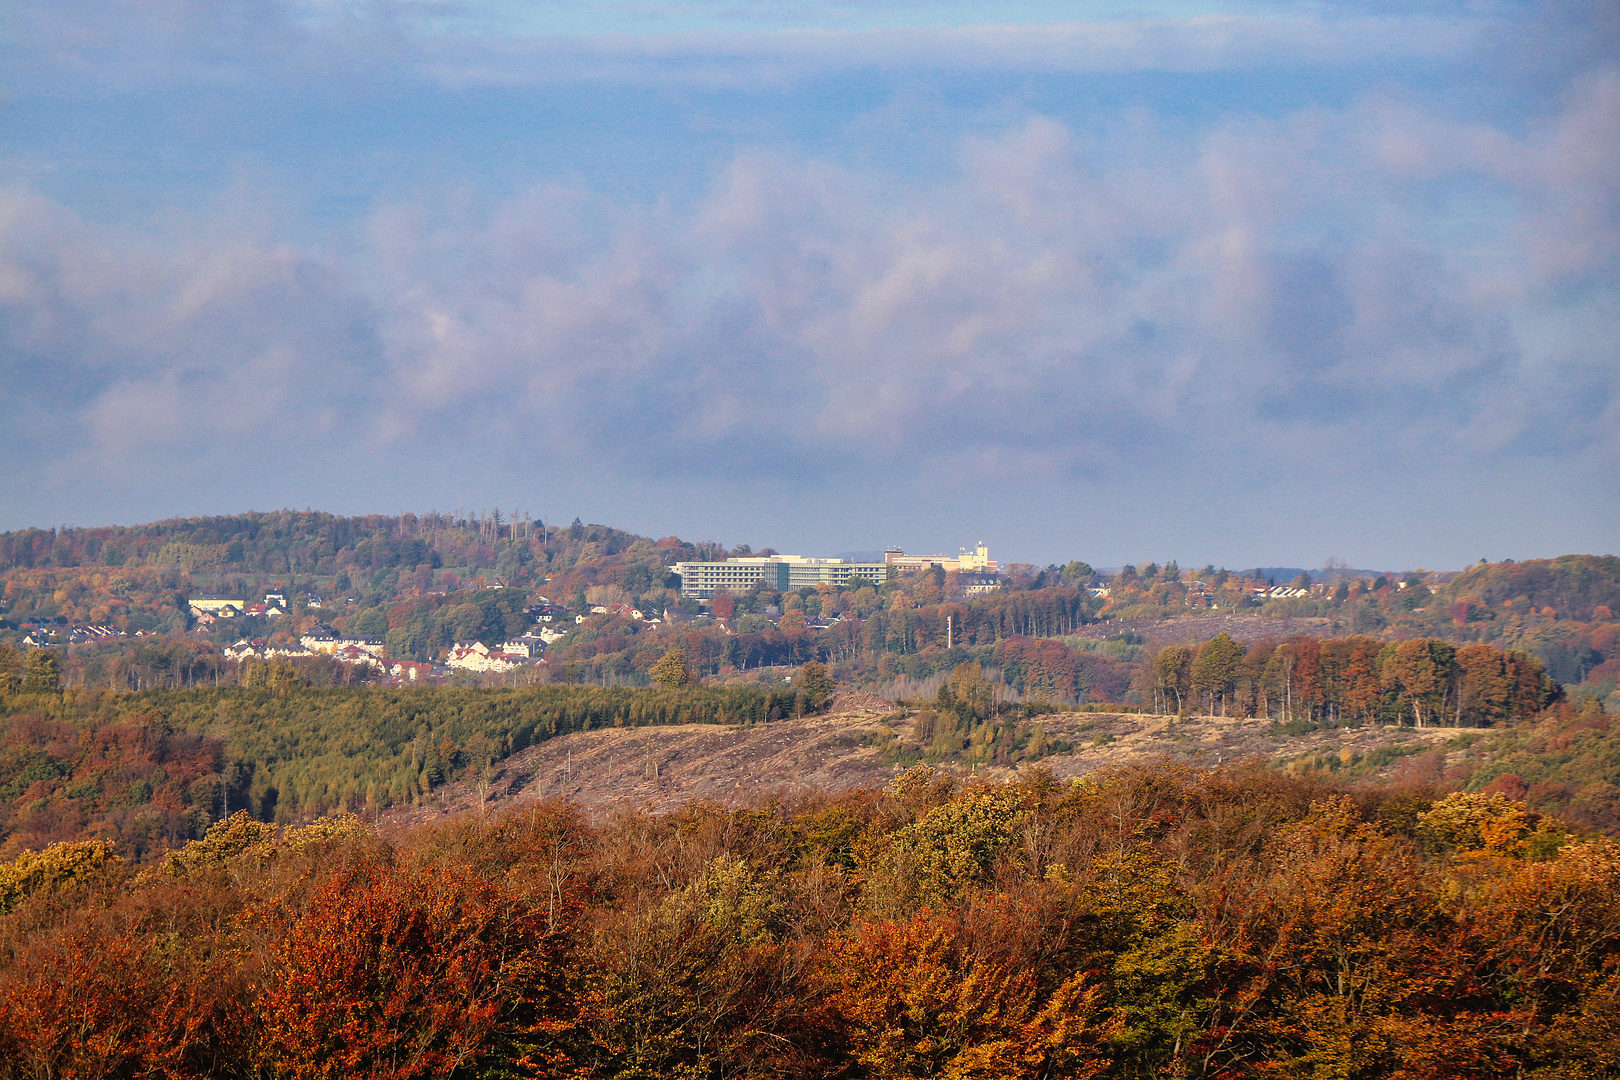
[1190,629]
[659,768]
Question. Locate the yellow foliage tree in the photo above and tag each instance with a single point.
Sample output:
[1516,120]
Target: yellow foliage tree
[57,864]
[671,671]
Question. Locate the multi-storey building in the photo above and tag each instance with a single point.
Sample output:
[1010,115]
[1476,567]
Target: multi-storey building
[702,580]
[977,561]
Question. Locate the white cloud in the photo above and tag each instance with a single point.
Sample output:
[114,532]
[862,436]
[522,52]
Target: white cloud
[1013,307]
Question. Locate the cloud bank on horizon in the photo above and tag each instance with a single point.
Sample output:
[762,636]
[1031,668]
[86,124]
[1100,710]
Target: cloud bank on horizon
[1249,283]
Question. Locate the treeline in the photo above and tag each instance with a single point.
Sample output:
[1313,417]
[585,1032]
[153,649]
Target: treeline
[877,634]
[1578,587]
[151,770]
[1424,681]
[282,542]
[148,770]
[1147,922]
[1356,679]
[1057,671]
[1562,610]
[1566,762]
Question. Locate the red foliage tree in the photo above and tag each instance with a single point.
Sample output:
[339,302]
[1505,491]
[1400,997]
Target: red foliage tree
[400,971]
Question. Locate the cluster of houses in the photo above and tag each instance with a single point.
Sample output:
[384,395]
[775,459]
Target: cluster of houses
[323,640]
[476,656]
[1291,592]
[550,622]
[1201,594]
[404,671]
[44,636]
[207,610]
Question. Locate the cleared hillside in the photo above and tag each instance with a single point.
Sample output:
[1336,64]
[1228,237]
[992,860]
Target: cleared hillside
[660,768]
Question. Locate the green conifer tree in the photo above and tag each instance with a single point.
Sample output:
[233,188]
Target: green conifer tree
[42,673]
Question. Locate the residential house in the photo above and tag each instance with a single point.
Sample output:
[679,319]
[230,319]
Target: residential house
[371,646]
[1280,592]
[352,654]
[529,646]
[977,582]
[243,650]
[476,656]
[223,607]
[288,651]
[87,632]
[408,670]
[320,639]
[544,611]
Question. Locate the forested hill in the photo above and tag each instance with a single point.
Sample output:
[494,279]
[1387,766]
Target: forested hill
[138,577]
[292,542]
[419,581]
[1579,587]
[150,770]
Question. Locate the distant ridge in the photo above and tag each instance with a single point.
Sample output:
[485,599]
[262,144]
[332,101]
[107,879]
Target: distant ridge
[1285,574]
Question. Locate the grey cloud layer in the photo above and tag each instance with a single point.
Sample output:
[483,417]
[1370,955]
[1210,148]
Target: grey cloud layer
[1036,315]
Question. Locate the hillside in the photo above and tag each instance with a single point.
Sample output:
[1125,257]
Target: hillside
[147,771]
[662,768]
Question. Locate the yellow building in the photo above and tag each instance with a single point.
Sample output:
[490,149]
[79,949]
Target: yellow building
[977,561]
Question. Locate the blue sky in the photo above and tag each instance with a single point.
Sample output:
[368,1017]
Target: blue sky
[1259,283]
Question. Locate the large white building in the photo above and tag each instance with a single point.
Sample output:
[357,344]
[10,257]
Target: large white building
[784,572]
[778,572]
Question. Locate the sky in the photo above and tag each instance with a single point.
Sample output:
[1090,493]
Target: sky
[1263,283]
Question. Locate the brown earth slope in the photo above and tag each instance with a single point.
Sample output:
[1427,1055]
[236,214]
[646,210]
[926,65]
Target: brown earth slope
[1191,629]
[659,768]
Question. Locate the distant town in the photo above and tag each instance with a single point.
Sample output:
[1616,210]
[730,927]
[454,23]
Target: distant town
[507,600]
[700,581]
